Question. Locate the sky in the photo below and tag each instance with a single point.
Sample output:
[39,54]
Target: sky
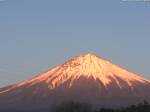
[36,35]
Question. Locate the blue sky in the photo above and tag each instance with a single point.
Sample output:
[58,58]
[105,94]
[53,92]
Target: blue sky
[36,35]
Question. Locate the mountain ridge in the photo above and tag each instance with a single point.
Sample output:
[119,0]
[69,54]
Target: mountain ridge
[85,78]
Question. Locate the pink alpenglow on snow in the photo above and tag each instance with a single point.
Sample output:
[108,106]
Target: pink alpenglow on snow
[85,78]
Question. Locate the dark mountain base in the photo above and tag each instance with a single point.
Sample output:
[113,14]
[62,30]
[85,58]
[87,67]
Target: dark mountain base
[84,107]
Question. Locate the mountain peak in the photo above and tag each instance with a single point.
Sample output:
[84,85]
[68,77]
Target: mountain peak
[88,66]
[89,55]
[86,78]
[87,60]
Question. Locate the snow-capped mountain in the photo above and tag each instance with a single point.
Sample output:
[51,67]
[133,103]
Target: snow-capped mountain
[85,78]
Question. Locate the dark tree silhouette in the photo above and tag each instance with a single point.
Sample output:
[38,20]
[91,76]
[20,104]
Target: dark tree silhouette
[81,107]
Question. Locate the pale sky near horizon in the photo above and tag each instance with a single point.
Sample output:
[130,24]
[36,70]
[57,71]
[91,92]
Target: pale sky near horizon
[36,35]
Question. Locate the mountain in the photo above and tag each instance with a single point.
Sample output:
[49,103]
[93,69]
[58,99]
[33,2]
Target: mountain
[85,78]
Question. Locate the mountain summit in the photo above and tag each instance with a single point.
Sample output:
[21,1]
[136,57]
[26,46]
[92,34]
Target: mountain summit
[85,78]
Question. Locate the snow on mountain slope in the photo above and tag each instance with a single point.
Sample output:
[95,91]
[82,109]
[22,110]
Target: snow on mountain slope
[84,65]
[85,77]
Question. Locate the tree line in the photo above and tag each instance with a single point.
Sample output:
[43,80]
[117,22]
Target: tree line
[83,107]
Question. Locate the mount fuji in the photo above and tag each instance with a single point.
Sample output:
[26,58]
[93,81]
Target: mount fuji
[85,78]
